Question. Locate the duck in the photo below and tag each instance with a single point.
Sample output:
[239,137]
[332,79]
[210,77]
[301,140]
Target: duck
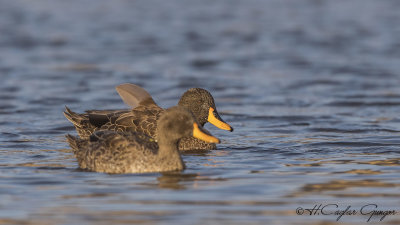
[145,112]
[116,152]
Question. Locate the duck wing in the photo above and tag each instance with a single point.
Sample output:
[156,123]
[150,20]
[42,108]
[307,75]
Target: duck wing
[99,117]
[142,119]
[134,95]
[113,152]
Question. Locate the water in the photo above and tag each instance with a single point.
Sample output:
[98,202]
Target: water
[311,87]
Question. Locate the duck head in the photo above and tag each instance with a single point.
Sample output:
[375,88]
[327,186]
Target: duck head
[177,122]
[201,103]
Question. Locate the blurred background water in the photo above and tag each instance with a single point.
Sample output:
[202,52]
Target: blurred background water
[312,88]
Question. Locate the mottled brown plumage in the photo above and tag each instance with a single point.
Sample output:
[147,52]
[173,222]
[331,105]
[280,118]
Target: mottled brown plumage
[142,118]
[131,152]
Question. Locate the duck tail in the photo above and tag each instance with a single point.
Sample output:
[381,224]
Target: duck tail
[74,117]
[73,142]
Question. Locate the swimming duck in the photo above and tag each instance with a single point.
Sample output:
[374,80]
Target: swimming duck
[131,152]
[144,114]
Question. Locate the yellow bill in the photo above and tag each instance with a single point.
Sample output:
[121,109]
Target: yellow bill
[216,120]
[197,133]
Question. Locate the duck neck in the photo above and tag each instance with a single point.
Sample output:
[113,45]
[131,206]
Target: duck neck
[167,146]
